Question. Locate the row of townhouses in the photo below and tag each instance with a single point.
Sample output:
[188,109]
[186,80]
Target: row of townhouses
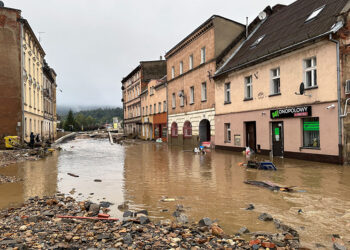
[27,82]
[279,85]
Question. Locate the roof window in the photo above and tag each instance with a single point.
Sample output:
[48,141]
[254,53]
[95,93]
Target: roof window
[315,13]
[256,43]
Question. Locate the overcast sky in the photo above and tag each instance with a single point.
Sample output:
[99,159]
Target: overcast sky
[92,45]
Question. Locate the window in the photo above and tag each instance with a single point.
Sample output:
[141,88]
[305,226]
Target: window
[29,65]
[227,92]
[34,105]
[181,67]
[182,98]
[310,72]
[143,110]
[192,95]
[159,107]
[315,13]
[164,106]
[187,130]
[174,129]
[25,127]
[164,131]
[155,108]
[24,60]
[248,87]
[204,91]
[150,109]
[311,132]
[203,55]
[151,90]
[172,72]
[190,62]
[227,132]
[25,93]
[173,101]
[275,81]
[147,110]
[257,41]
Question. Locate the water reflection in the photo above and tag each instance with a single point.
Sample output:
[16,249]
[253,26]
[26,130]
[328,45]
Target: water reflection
[208,185]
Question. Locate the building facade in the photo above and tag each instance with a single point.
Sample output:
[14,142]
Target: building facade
[282,95]
[191,90]
[154,110]
[21,81]
[132,86]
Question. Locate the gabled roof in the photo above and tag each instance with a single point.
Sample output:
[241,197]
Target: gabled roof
[286,28]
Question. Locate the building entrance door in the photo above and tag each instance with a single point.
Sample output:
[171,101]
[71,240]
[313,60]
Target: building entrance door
[277,139]
[204,131]
[251,135]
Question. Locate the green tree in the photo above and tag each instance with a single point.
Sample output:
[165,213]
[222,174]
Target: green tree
[70,124]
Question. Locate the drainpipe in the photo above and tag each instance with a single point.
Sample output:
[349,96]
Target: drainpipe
[167,112]
[339,95]
[22,86]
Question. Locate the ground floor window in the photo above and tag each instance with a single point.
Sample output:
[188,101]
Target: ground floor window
[156,131]
[227,132]
[187,129]
[174,129]
[164,131]
[311,132]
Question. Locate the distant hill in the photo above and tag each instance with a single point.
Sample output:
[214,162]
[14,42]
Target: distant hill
[62,110]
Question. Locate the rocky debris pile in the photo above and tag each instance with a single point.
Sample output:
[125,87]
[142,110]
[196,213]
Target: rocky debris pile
[9,179]
[37,225]
[19,155]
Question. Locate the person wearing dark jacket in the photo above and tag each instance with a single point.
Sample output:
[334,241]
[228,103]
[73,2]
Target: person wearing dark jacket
[32,140]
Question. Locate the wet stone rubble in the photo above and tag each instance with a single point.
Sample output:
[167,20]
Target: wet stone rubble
[36,225]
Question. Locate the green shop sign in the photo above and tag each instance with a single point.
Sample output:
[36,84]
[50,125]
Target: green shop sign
[312,126]
[291,112]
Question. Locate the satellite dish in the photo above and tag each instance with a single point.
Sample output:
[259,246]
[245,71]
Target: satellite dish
[302,88]
[2,4]
[262,15]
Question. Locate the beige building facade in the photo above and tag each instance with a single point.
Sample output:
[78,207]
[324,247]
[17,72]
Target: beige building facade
[191,90]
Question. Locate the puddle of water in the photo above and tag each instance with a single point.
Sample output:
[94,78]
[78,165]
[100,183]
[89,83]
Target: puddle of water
[208,186]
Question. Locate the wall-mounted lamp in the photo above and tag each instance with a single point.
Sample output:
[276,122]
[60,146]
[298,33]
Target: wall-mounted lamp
[331,106]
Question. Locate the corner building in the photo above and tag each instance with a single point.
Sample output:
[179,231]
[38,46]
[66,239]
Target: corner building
[191,65]
[258,99]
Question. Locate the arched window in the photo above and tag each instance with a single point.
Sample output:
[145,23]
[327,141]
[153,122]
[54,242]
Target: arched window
[174,129]
[187,129]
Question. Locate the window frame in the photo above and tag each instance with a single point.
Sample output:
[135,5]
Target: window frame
[159,107]
[204,91]
[172,72]
[192,95]
[228,133]
[203,55]
[174,130]
[312,69]
[173,101]
[190,63]
[227,92]
[310,119]
[248,84]
[182,99]
[187,129]
[181,67]
[273,78]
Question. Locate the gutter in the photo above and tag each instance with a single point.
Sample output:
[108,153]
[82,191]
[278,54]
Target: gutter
[334,29]
[22,85]
[339,94]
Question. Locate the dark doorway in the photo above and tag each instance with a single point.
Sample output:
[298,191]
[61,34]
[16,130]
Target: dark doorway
[277,139]
[251,135]
[204,130]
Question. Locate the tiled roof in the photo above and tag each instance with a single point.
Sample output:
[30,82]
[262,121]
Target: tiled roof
[285,28]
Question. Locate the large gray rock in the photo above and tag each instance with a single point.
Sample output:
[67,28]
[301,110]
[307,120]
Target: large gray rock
[94,209]
[265,217]
[205,222]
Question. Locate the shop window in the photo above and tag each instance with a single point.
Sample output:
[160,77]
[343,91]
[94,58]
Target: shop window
[227,132]
[187,129]
[174,129]
[311,132]
[310,72]
[164,131]
[275,81]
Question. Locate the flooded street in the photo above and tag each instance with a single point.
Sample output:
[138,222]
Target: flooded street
[208,185]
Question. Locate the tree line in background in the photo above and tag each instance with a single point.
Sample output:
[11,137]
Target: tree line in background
[89,119]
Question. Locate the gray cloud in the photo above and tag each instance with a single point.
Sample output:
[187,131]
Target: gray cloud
[93,44]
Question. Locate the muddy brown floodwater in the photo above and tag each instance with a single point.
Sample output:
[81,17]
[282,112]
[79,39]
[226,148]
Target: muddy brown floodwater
[208,185]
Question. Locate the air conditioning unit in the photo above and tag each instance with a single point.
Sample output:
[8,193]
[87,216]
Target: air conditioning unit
[347,87]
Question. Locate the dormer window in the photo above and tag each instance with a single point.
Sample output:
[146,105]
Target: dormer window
[256,43]
[315,13]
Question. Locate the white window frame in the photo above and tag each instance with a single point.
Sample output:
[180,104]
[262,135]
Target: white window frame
[204,91]
[313,70]
[227,92]
[181,67]
[227,129]
[315,13]
[275,77]
[173,101]
[203,52]
[191,94]
[190,63]
[172,72]
[248,87]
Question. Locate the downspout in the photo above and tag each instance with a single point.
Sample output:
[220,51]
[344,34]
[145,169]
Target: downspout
[167,112]
[22,85]
[339,96]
